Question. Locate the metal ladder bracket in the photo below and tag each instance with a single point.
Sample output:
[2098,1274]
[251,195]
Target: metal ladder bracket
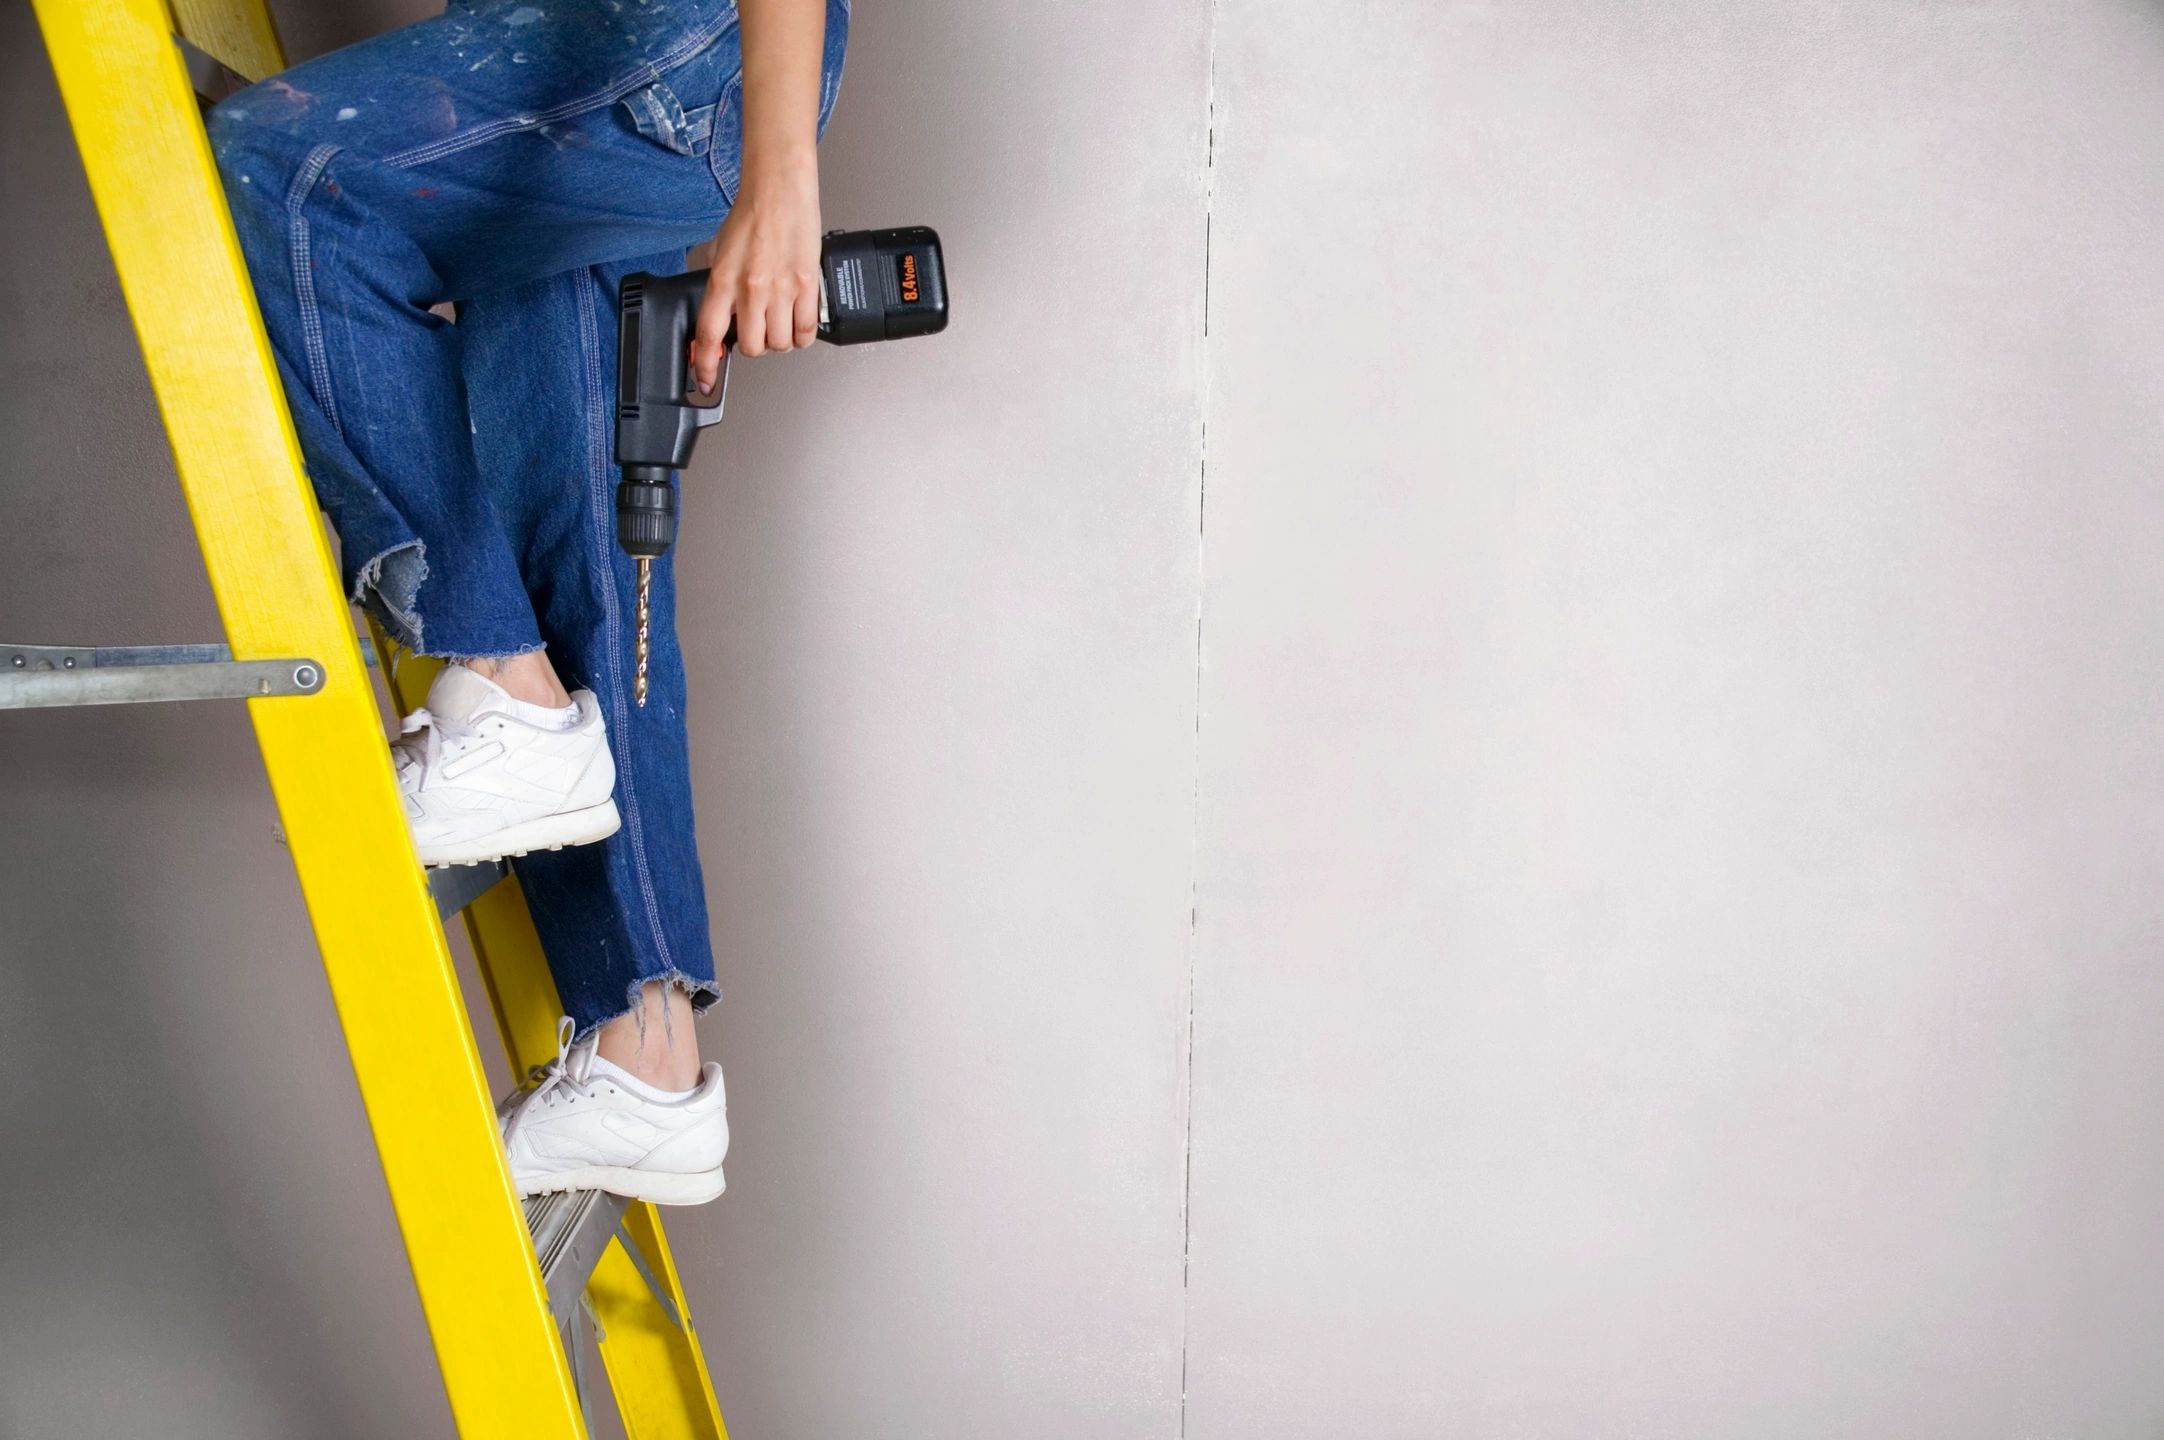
[41,676]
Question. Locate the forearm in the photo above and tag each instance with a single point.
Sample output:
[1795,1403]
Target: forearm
[783,44]
[763,266]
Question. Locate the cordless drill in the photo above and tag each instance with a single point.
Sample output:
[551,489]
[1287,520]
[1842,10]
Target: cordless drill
[874,285]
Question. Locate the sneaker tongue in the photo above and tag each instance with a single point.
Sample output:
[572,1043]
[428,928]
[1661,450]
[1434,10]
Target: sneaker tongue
[459,694]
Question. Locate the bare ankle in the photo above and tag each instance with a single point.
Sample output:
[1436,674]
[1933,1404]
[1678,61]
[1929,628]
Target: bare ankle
[655,1041]
[529,677]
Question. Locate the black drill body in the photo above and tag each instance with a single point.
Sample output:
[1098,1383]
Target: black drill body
[874,285]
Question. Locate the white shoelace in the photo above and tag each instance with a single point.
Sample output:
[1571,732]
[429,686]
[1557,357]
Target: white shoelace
[546,1080]
[421,739]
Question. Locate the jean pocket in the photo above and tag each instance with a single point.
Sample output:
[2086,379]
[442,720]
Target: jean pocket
[657,114]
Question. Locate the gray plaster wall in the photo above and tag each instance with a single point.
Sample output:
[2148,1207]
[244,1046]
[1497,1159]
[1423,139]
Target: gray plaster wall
[1679,945]
[1479,758]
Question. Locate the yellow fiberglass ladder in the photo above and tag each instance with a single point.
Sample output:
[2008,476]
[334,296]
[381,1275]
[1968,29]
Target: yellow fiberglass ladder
[503,1284]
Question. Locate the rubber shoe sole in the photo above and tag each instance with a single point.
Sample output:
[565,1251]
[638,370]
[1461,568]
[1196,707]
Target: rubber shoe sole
[549,832]
[654,1187]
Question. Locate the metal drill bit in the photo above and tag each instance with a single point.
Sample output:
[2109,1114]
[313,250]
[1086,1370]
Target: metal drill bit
[646,582]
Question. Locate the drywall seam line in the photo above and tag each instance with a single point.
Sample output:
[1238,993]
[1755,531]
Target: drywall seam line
[1194,861]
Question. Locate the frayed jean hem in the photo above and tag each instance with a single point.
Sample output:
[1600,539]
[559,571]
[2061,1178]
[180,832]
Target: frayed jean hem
[703,994]
[388,588]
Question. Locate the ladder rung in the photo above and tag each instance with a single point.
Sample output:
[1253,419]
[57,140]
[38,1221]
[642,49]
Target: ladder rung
[457,886]
[571,1230]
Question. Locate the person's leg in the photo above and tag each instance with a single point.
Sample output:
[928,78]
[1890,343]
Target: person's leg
[394,177]
[481,149]
[455,156]
[372,378]
[655,1041]
[528,677]
[623,922]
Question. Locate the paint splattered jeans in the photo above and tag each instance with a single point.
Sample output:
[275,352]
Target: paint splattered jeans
[517,157]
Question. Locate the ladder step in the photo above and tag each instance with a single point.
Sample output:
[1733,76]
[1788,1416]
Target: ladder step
[570,1232]
[457,886]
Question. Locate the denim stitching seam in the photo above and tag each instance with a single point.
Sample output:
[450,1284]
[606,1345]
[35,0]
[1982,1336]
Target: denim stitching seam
[589,350]
[714,153]
[646,74]
[304,280]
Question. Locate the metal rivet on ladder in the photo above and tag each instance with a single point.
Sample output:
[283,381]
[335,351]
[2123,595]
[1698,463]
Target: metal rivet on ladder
[307,676]
[68,662]
[20,662]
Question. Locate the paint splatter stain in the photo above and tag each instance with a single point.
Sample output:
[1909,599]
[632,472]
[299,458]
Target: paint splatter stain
[347,112]
[425,191]
[524,15]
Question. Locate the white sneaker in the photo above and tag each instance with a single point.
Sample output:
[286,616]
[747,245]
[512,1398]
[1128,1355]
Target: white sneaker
[582,1123]
[481,782]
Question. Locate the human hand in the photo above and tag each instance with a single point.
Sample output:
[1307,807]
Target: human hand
[765,270]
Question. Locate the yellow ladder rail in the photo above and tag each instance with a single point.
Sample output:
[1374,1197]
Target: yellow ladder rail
[137,124]
[239,37]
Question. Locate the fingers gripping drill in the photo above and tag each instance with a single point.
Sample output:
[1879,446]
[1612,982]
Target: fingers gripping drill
[874,285]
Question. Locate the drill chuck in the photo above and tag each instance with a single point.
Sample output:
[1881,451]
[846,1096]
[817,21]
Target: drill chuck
[646,512]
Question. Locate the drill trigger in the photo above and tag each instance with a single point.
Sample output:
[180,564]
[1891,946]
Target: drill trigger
[705,415]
